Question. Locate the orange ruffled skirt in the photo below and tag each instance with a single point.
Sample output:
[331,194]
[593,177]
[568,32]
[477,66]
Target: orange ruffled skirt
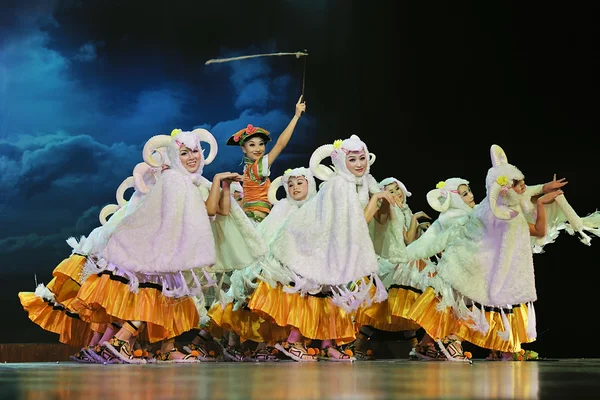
[105,297]
[314,317]
[440,324]
[66,278]
[246,324]
[58,319]
[391,314]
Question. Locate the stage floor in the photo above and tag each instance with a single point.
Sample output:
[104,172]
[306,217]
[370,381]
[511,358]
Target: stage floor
[385,379]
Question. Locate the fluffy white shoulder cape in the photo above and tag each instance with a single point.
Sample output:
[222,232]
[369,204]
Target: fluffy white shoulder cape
[327,240]
[169,232]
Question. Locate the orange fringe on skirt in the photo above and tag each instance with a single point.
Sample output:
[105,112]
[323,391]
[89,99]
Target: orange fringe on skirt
[314,317]
[440,324]
[102,300]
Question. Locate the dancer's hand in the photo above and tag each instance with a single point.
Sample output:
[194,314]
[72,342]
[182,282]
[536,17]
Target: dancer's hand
[421,214]
[300,107]
[229,177]
[385,196]
[549,197]
[424,225]
[554,184]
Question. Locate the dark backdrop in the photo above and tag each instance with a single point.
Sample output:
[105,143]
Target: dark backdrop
[428,86]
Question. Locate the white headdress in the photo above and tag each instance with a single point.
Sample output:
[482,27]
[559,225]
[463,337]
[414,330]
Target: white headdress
[445,195]
[178,139]
[499,181]
[338,151]
[283,181]
[389,181]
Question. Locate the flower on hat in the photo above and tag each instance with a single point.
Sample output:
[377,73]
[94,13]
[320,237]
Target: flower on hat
[502,180]
[250,129]
[440,185]
[337,144]
[287,171]
[175,131]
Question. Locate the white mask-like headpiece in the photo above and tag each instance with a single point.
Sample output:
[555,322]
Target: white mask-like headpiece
[389,181]
[283,181]
[445,195]
[338,152]
[499,181]
[173,143]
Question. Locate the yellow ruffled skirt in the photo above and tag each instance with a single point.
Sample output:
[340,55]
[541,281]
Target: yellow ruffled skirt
[315,317]
[57,319]
[440,324]
[105,297]
[246,324]
[390,315]
[65,282]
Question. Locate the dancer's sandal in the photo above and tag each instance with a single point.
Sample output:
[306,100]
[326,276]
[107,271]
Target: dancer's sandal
[358,354]
[453,351]
[523,355]
[82,357]
[427,352]
[265,355]
[102,355]
[341,356]
[122,350]
[233,353]
[168,357]
[298,351]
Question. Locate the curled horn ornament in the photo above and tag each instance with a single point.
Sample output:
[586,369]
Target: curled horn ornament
[319,170]
[276,184]
[504,214]
[154,143]
[498,155]
[126,184]
[107,211]
[206,136]
[140,170]
[372,158]
[433,198]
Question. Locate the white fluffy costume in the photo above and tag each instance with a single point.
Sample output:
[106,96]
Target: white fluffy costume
[322,249]
[234,314]
[402,278]
[162,257]
[485,276]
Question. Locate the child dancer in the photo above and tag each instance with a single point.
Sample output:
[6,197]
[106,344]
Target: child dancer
[234,316]
[395,228]
[257,163]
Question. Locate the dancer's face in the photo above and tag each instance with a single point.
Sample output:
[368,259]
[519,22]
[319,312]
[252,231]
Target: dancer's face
[395,189]
[254,148]
[190,159]
[298,187]
[356,162]
[464,191]
[519,186]
[239,198]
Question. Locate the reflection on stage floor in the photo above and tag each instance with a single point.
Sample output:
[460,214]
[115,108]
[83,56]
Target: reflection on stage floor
[385,379]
